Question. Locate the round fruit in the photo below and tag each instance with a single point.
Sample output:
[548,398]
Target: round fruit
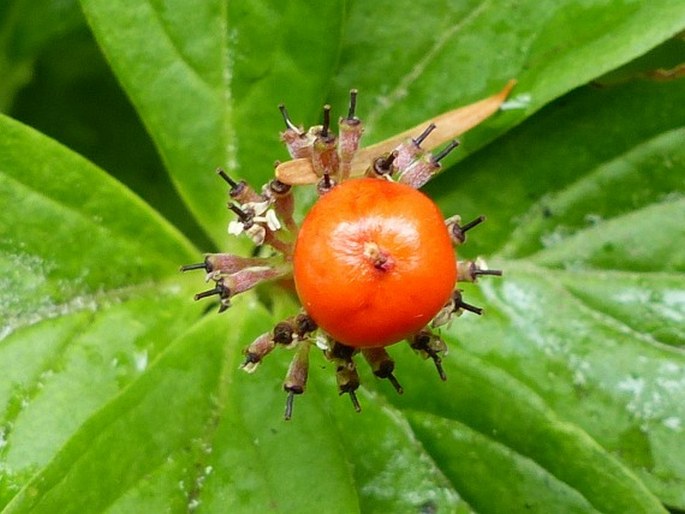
[373,262]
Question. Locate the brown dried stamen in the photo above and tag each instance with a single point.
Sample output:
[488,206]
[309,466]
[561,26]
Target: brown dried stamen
[220,290]
[469,271]
[243,216]
[445,151]
[288,122]
[422,137]
[326,121]
[382,366]
[383,166]
[240,190]
[296,378]
[199,265]
[353,106]
[430,345]
[459,303]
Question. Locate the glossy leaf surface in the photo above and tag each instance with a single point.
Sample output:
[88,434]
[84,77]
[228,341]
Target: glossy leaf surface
[119,394]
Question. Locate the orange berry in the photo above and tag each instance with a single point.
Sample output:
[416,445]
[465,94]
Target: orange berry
[373,262]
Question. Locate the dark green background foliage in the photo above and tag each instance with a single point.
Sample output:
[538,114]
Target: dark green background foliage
[120,394]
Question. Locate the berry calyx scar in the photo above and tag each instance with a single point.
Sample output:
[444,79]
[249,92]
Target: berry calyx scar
[373,262]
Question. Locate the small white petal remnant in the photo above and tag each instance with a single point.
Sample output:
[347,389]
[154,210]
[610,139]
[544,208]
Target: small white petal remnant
[272,220]
[235,228]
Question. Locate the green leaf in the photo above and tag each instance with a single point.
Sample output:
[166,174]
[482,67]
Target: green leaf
[591,314]
[588,134]
[512,478]
[27,26]
[194,78]
[83,107]
[118,395]
[170,395]
[84,305]
[458,52]
[206,78]
[166,444]
[621,385]
[106,242]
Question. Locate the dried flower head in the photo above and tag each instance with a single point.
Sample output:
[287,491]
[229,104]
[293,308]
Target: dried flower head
[373,262]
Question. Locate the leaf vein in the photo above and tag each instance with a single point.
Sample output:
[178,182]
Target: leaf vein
[417,70]
[177,50]
[80,303]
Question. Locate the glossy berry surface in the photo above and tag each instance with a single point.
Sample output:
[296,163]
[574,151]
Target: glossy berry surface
[373,262]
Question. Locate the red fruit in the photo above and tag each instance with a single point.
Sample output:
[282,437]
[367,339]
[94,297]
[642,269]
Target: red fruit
[373,262]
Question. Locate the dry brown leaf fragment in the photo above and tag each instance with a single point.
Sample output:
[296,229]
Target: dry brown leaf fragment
[448,126]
